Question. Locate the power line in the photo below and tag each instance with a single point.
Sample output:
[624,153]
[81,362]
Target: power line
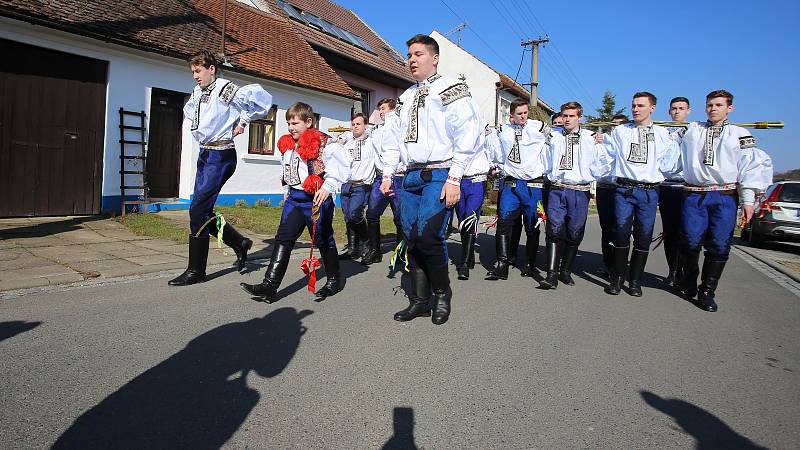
[520,64]
[470,28]
[519,32]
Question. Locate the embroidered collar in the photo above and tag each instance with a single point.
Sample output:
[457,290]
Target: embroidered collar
[208,89]
[648,126]
[518,126]
[710,125]
[429,80]
[575,131]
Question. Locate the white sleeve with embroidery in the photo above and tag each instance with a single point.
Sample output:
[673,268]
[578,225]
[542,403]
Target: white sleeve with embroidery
[463,125]
[252,102]
[337,162]
[390,145]
[755,174]
[669,162]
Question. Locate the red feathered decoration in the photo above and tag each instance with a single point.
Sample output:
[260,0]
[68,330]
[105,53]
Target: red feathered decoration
[310,143]
[285,143]
[312,184]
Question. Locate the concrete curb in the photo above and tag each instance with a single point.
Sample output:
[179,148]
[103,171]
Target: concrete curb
[779,267]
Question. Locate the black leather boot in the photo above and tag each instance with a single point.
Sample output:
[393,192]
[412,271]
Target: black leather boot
[638,261]
[198,258]
[553,259]
[608,259]
[373,254]
[278,263]
[619,262]
[500,270]
[467,252]
[330,262]
[442,294]
[419,299]
[531,250]
[671,254]
[360,242]
[513,245]
[567,260]
[233,239]
[712,271]
[348,252]
[690,261]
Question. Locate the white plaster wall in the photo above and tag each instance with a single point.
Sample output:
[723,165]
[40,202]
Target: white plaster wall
[481,79]
[377,91]
[131,76]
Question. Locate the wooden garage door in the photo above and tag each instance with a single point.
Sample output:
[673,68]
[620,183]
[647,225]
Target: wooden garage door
[52,109]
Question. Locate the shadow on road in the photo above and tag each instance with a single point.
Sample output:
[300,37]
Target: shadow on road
[15,327]
[198,397]
[403,437]
[48,228]
[710,432]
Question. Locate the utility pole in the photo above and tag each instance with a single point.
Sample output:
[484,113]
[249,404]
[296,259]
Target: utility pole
[534,43]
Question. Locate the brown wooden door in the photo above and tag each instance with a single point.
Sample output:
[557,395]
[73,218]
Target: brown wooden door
[164,143]
[52,108]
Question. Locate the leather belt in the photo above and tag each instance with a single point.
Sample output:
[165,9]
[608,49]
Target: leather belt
[711,187]
[627,182]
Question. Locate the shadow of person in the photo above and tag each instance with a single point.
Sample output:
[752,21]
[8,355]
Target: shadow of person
[403,437]
[709,431]
[196,398]
[15,327]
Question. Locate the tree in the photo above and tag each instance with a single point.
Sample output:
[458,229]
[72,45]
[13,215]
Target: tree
[608,110]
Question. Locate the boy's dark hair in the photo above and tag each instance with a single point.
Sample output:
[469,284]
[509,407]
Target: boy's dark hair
[649,96]
[302,111]
[357,115]
[572,105]
[426,40]
[622,117]
[392,102]
[204,58]
[516,104]
[721,93]
[679,99]
[554,117]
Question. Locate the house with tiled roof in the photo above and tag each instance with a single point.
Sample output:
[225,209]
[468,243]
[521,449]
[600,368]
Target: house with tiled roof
[73,69]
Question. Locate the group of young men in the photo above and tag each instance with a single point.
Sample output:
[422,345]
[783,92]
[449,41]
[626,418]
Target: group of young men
[432,154]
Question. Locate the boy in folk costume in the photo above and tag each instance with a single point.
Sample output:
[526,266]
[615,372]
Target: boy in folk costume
[437,137]
[604,198]
[718,159]
[313,168]
[468,208]
[355,191]
[219,111]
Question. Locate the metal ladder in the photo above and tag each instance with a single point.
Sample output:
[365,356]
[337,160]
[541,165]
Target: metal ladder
[132,164]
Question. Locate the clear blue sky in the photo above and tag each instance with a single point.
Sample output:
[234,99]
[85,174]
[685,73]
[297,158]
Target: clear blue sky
[670,48]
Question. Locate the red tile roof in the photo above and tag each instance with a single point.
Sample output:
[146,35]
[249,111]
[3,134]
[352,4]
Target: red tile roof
[257,42]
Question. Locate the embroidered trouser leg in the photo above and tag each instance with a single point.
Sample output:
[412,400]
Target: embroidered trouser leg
[708,220]
[517,199]
[214,167]
[635,210]
[566,215]
[297,216]
[424,218]
[470,202]
[354,202]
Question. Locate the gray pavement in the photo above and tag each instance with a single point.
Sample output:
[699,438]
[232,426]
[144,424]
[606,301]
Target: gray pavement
[135,364]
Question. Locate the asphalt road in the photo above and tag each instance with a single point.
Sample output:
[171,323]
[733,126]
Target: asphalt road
[140,365]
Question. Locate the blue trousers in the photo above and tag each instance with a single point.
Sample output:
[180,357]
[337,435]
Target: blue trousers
[566,215]
[354,202]
[517,198]
[214,167]
[470,202]
[378,202]
[296,216]
[635,207]
[708,220]
[424,217]
[670,204]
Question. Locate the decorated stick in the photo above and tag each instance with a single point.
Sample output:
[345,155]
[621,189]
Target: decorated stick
[756,125]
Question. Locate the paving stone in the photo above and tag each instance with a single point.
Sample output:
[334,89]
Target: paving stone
[21,260]
[38,241]
[121,249]
[35,272]
[155,259]
[69,253]
[83,236]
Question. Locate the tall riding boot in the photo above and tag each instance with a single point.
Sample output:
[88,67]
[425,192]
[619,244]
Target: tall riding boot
[278,263]
[500,270]
[690,260]
[198,257]
[553,260]
[233,239]
[419,299]
[619,261]
[373,254]
[360,242]
[567,260]
[440,285]
[348,253]
[712,271]
[638,261]
[516,234]
[608,258]
[678,265]
[531,250]
[330,262]
[467,251]
[671,253]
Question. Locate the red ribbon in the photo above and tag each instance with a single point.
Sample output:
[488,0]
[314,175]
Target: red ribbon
[309,265]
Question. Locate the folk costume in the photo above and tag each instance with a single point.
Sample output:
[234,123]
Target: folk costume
[377,201]
[215,111]
[670,201]
[641,156]
[468,208]
[524,155]
[437,138]
[355,194]
[309,164]
[605,190]
[717,161]
[576,160]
